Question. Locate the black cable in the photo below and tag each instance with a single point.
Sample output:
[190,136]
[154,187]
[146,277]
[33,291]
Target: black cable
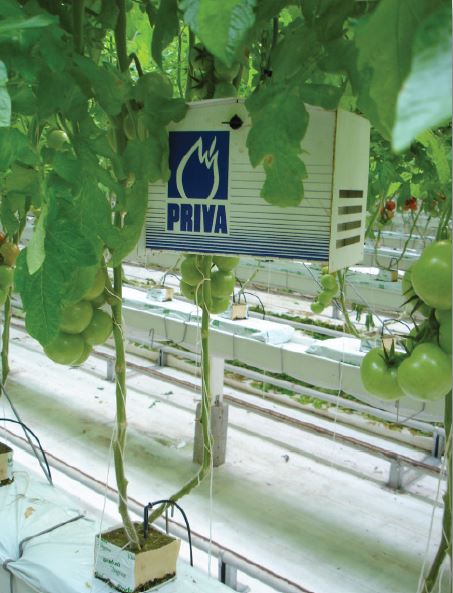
[25,427]
[150,505]
[26,432]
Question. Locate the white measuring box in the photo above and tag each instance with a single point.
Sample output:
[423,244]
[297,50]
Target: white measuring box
[212,202]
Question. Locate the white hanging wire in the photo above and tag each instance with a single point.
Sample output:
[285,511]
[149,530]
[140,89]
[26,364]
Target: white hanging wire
[436,506]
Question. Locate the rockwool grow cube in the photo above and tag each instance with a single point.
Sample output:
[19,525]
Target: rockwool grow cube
[212,204]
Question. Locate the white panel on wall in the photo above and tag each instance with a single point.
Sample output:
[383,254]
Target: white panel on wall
[212,203]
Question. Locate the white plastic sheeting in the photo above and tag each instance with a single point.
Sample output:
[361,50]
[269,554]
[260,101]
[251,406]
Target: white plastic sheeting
[47,545]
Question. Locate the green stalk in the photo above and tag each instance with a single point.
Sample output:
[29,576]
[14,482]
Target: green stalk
[347,320]
[445,542]
[119,442]
[5,338]
[206,398]
[78,15]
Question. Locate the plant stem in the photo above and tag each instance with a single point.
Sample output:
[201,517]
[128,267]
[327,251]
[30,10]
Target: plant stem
[119,442]
[206,262]
[78,14]
[347,320]
[445,542]
[5,338]
[120,37]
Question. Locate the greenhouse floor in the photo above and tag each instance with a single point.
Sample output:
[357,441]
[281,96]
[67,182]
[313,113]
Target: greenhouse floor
[304,506]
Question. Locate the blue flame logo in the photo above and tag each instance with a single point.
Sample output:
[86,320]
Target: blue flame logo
[199,165]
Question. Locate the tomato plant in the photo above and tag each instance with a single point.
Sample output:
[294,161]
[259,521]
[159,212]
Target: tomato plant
[91,105]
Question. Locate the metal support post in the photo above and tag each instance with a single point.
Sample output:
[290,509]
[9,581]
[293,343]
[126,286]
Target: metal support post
[395,475]
[162,360]
[228,575]
[438,447]
[110,370]
[219,417]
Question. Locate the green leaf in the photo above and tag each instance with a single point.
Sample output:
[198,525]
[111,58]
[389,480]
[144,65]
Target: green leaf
[108,86]
[36,253]
[326,96]
[41,294]
[221,26]
[5,100]
[384,43]
[425,98]
[439,153]
[275,140]
[11,26]
[327,17]
[165,29]
[12,144]
[46,291]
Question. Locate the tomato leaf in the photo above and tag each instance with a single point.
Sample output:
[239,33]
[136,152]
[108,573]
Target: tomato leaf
[384,43]
[5,100]
[222,27]
[36,253]
[425,98]
[166,27]
[274,140]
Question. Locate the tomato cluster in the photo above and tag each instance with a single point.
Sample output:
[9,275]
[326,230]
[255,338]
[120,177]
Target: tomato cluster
[387,212]
[424,371]
[214,291]
[82,326]
[330,288]
[8,254]
[410,204]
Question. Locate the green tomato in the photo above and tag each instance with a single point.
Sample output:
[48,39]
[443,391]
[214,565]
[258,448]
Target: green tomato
[189,271]
[325,298]
[100,328]
[56,139]
[97,288]
[225,89]
[65,348]
[222,284]
[224,72]
[409,295]
[99,300]
[444,319]
[426,374]
[226,263]
[6,276]
[187,290]
[431,275]
[329,282]
[219,305]
[75,318]
[317,307]
[378,377]
[86,353]
[9,252]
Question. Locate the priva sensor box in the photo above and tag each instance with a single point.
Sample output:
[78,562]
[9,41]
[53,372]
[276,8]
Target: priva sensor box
[212,203]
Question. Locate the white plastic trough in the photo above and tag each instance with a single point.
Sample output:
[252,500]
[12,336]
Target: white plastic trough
[271,346]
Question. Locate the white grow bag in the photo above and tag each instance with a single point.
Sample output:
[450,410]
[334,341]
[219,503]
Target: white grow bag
[61,559]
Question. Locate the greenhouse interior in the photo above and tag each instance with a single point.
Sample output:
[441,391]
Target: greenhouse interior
[225,295]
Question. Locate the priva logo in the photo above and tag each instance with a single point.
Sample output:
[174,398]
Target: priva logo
[198,182]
